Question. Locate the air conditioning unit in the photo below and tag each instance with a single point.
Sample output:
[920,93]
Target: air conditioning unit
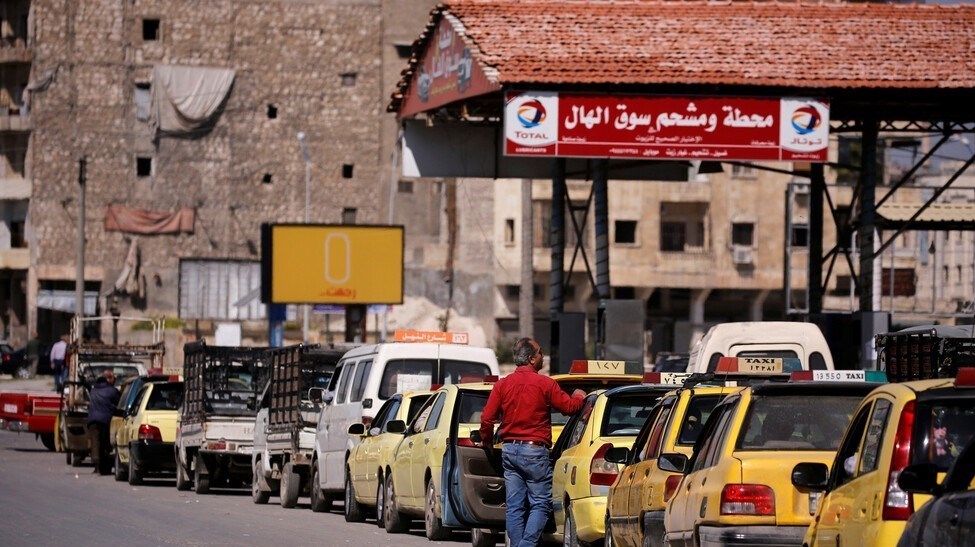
[741,254]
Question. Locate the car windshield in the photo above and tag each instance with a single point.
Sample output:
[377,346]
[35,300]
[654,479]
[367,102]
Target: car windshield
[165,396]
[420,374]
[698,410]
[588,385]
[941,430]
[625,414]
[797,422]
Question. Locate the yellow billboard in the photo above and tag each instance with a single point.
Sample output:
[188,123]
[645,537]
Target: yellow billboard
[331,264]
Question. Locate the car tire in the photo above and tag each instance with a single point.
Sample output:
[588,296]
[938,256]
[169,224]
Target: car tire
[47,439]
[481,537]
[569,535]
[394,521]
[121,473]
[354,511]
[432,524]
[135,474]
[608,541]
[380,499]
[260,497]
[290,486]
[320,503]
[201,479]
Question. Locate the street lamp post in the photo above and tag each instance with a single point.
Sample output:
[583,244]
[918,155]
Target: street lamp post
[307,157]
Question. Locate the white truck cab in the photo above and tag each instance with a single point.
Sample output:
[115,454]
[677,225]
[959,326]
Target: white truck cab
[369,375]
[781,339]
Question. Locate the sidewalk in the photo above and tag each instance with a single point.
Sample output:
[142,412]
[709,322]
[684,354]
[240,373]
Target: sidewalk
[40,383]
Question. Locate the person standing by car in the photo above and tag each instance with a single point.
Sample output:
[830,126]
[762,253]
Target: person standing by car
[104,399]
[522,402]
[58,352]
[33,353]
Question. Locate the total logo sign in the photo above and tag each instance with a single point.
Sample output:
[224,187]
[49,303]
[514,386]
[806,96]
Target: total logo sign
[804,127]
[531,122]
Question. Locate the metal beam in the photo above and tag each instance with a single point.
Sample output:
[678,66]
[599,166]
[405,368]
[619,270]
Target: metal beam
[817,188]
[867,217]
[556,282]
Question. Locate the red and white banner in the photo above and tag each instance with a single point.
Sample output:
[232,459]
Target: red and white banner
[665,128]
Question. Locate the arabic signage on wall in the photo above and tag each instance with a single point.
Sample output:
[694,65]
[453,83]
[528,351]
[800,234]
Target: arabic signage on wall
[331,264]
[446,73]
[665,128]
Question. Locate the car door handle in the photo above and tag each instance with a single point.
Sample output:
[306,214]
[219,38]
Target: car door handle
[426,440]
[410,444]
[565,467]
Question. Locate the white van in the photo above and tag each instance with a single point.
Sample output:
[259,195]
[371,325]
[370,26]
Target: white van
[762,339]
[369,375]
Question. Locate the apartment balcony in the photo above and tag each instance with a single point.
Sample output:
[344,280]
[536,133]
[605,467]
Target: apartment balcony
[14,120]
[14,188]
[14,259]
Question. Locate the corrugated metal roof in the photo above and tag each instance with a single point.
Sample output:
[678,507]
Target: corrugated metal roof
[945,216]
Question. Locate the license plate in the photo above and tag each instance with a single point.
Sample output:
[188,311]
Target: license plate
[245,449]
[814,498]
[10,408]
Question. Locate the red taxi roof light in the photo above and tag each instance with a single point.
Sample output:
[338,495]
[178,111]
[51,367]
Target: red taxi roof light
[491,379]
[898,504]
[651,377]
[435,387]
[801,376]
[579,367]
[965,377]
[747,499]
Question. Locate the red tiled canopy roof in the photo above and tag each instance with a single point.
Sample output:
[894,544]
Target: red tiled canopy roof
[819,46]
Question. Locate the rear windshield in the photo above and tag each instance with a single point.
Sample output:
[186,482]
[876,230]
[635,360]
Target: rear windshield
[420,374]
[941,431]
[625,414]
[774,353]
[588,385]
[698,410]
[797,422]
[165,397]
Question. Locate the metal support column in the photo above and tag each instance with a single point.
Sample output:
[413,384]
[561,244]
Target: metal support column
[556,285]
[815,280]
[601,218]
[79,282]
[866,231]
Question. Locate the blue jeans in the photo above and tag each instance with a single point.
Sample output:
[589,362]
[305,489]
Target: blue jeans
[528,492]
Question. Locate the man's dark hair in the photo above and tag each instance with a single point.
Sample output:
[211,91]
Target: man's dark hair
[524,350]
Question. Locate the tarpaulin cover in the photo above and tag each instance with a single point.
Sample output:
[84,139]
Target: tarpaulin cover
[185,98]
[120,218]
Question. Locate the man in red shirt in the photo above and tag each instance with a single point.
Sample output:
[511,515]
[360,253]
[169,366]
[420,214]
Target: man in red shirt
[522,402]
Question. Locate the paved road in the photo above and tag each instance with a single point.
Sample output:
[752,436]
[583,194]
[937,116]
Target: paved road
[45,502]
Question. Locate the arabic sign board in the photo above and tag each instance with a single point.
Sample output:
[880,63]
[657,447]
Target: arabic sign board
[435,337]
[759,365]
[331,264]
[665,128]
[446,73]
[591,366]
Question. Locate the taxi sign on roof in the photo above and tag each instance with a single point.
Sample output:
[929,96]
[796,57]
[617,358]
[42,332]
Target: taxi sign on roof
[666,378]
[434,337]
[757,365]
[839,376]
[582,366]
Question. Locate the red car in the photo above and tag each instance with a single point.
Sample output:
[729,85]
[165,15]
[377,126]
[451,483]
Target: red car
[31,413]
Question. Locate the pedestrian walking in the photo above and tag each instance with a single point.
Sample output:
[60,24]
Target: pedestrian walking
[33,352]
[523,402]
[104,398]
[58,352]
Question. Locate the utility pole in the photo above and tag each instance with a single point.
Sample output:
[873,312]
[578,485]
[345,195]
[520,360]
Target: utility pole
[307,156]
[79,282]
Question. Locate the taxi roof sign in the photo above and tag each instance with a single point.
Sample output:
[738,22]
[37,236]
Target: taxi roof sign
[434,337]
[666,378]
[838,376]
[613,368]
[758,365]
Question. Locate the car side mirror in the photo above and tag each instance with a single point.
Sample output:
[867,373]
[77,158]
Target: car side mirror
[396,426]
[316,395]
[617,454]
[920,478]
[328,397]
[357,429]
[476,436]
[673,463]
[810,476]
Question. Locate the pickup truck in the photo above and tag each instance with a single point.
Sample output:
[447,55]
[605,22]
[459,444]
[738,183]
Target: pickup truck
[284,437]
[31,412]
[215,435]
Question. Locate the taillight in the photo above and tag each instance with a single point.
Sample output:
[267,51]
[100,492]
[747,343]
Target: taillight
[898,504]
[602,472]
[6,357]
[747,499]
[670,486]
[149,433]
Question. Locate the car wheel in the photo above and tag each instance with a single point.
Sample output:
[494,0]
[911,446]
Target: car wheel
[320,503]
[121,473]
[380,499]
[394,521]
[484,538]
[608,542]
[201,479]
[183,483]
[47,439]
[354,512]
[569,536]
[259,496]
[432,524]
[290,484]
[135,474]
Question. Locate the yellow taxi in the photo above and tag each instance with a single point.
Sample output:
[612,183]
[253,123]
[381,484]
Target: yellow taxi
[592,375]
[900,431]
[738,484]
[581,475]
[413,478]
[371,456]
[636,501]
[144,440]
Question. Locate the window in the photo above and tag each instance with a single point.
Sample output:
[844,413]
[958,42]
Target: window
[419,374]
[648,441]
[698,410]
[705,449]
[143,166]
[386,414]
[941,429]
[142,98]
[672,236]
[347,169]
[359,384]
[800,235]
[348,79]
[403,49]
[542,217]
[509,231]
[272,112]
[657,435]
[625,231]
[624,293]
[512,291]
[683,226]
[796,422]
[846,456]
[434,419]
[743,233]
[875,436]
[165,397]
[343,388]
[405,186]
[625,414]
[150,30]
[579,427]
[17,236]
[739,171]
[348,215]
[267,178]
